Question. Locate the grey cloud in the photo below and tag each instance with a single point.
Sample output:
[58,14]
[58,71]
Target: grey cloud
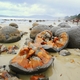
[51,7]
[21,1]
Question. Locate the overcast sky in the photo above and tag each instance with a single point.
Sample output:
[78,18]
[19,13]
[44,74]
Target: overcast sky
[55,8]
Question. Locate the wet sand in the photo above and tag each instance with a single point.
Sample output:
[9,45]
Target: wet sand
[63,67]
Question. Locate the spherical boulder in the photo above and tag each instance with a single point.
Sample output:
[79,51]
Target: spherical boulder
[9,34]
[74,36]
[64,25]
[54,29]
[37,29]
[13,25]
[59,31]
[61,25]
[35,24]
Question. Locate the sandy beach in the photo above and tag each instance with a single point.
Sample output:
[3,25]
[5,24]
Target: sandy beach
[63,67]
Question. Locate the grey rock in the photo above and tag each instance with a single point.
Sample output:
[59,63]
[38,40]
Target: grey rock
[64,25]
[54,29]
[28,40]
[23,33]
[74,36]
[3,48]
[59,31]
[11,52]
[37,29]
[9,34]
[64,53]
[13,25]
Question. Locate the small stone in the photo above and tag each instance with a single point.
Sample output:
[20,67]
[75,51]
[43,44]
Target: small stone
[64,53]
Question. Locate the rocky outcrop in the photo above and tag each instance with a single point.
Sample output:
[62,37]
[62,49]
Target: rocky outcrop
[9,34]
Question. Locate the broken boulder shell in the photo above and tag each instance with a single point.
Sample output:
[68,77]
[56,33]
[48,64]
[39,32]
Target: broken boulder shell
[39,77]
[44,35]
[29,61]
[62,42]
[58,43]
[5,75]
[51,43]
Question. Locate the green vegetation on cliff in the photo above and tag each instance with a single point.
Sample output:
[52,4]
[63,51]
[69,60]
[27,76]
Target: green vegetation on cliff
[72,17]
